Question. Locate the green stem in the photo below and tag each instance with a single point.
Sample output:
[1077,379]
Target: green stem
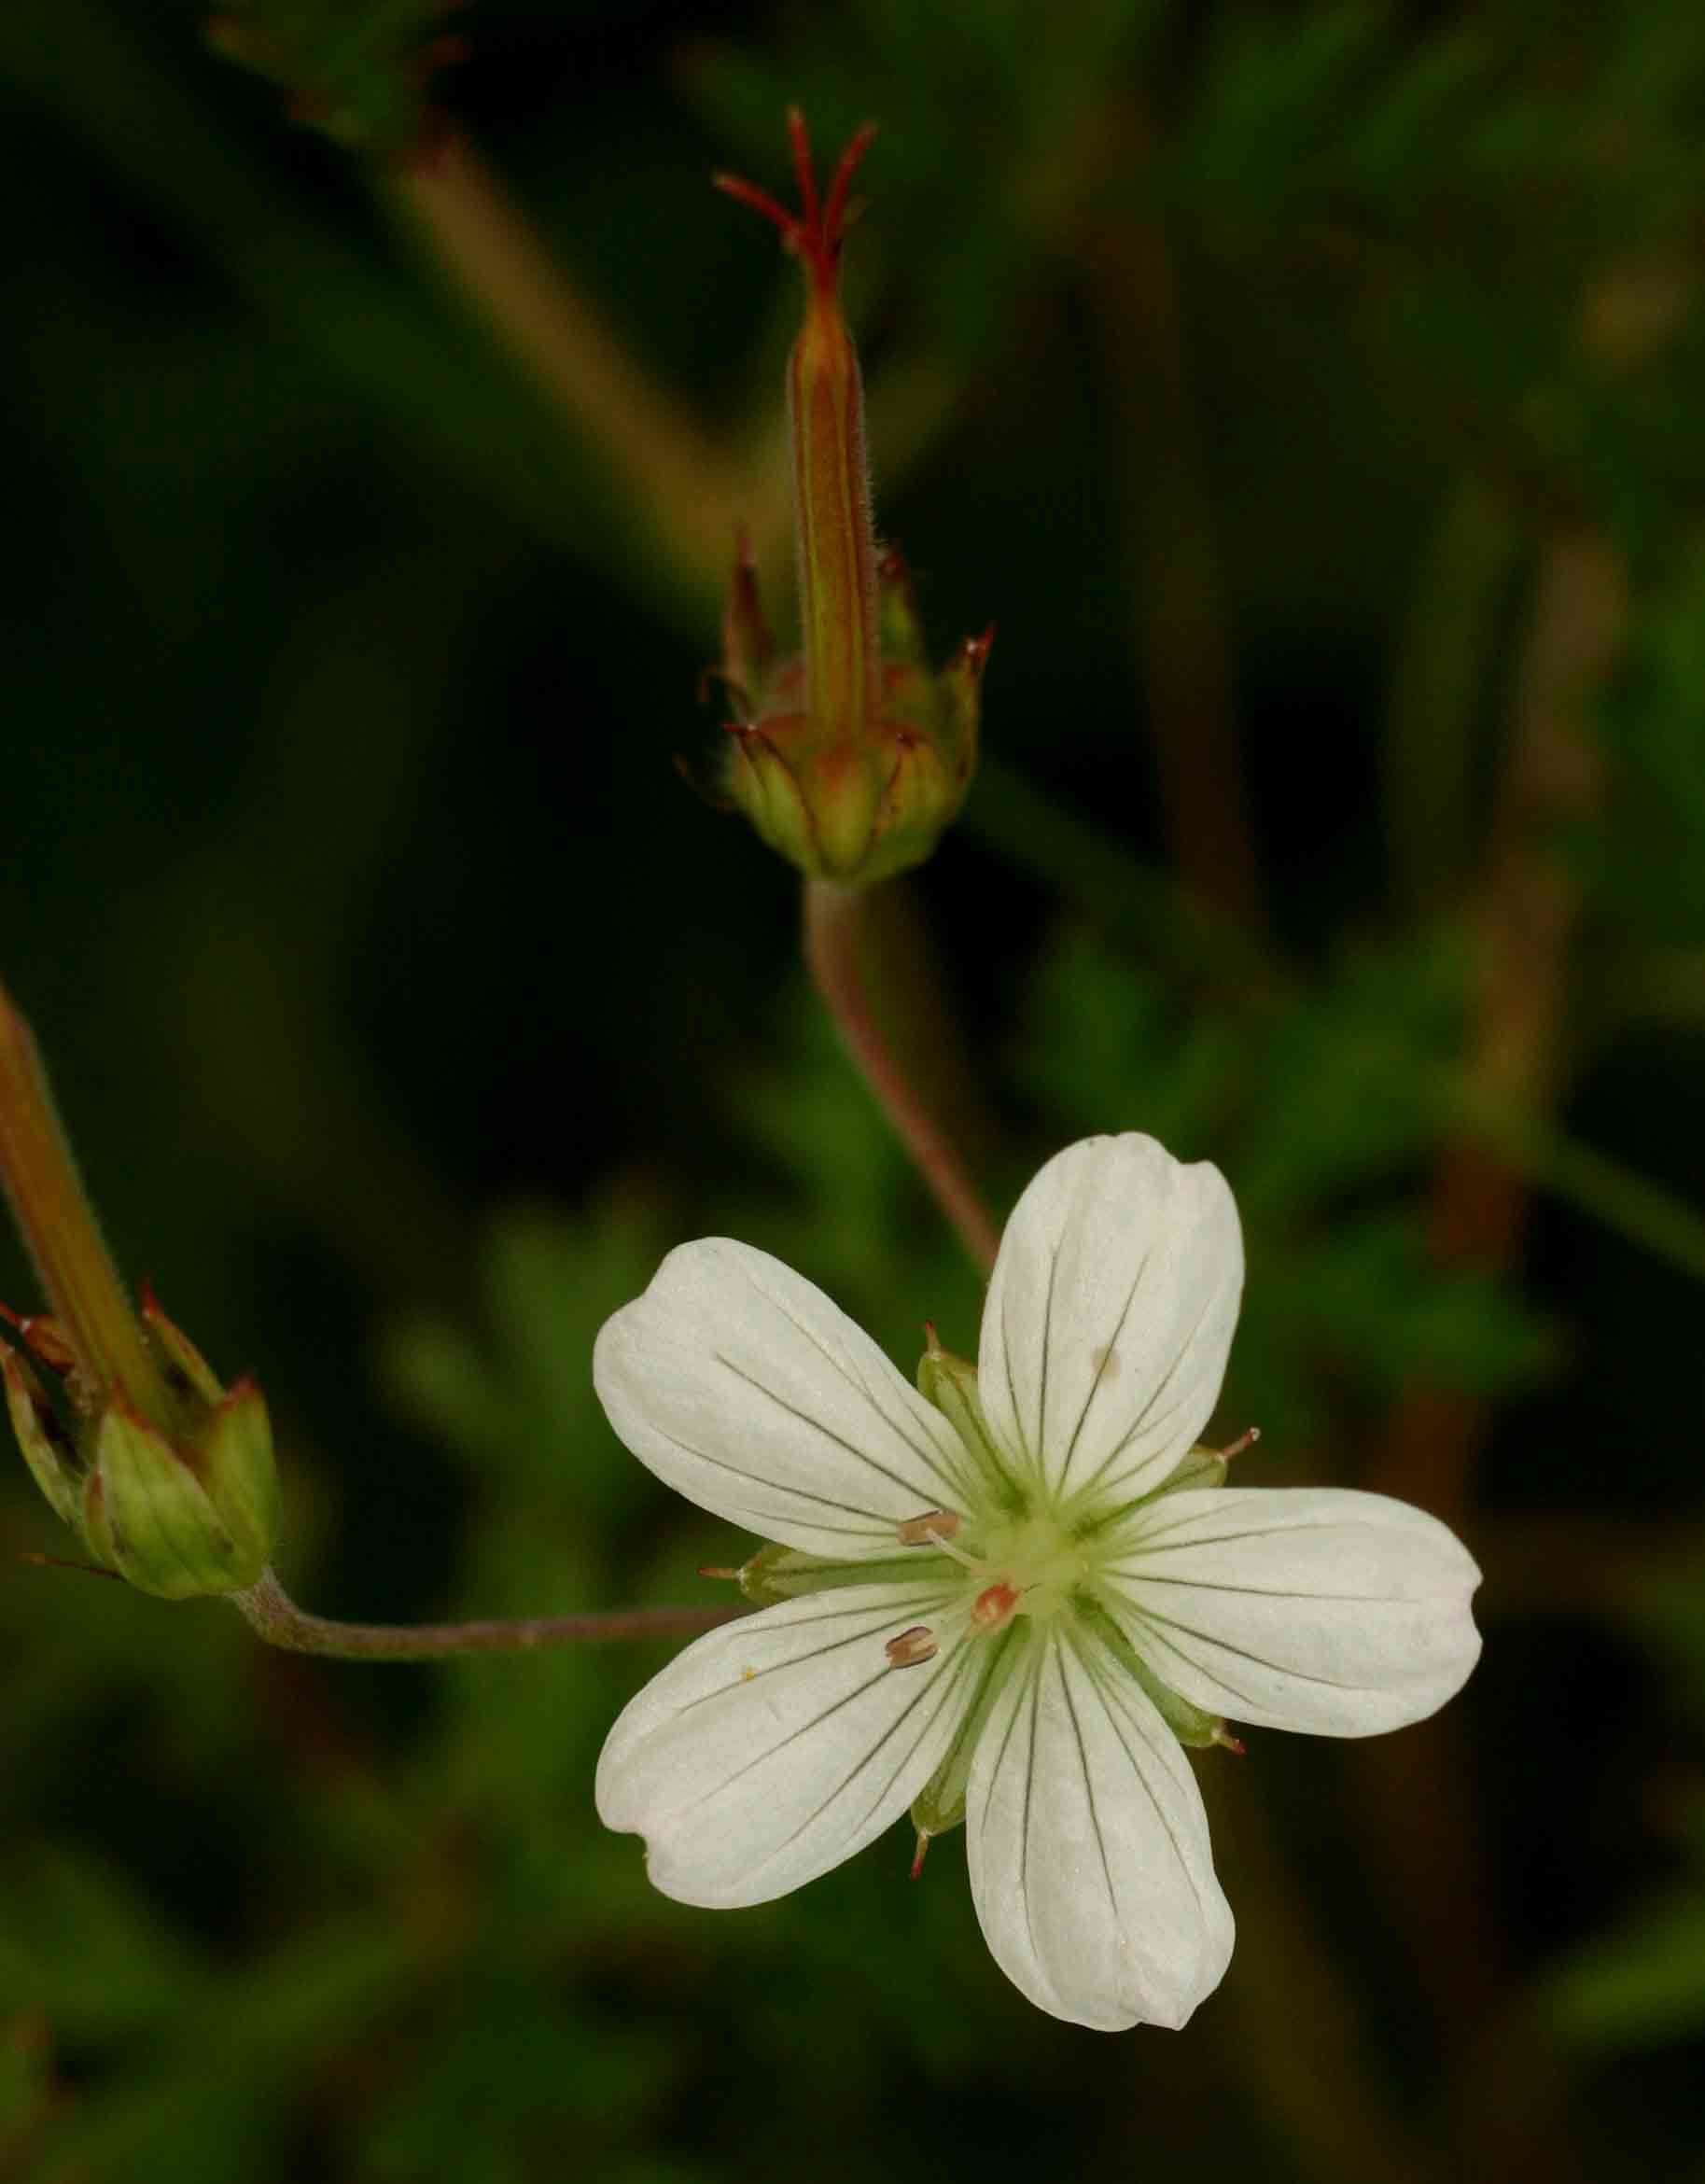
[275,1618]
[834,924]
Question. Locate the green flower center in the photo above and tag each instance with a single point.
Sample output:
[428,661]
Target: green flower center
[1025,1564]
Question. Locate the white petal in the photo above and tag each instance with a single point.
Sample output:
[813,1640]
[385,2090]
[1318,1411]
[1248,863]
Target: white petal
[776,1746]
[1302,1608]
[1109,1316]
[746,1390]
[1088,1846]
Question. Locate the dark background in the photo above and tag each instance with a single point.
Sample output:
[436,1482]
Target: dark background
[1311,396]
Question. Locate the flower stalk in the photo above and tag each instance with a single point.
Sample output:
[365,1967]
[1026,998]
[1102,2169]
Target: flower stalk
[834,936]
[274,1617]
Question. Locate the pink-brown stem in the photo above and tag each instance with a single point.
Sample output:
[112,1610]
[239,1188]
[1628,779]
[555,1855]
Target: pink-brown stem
[833,923]
[274,1617]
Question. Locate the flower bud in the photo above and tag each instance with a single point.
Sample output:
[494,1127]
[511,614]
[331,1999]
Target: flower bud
[178,1522]
[168,1475]
[177,1505]
[850,758]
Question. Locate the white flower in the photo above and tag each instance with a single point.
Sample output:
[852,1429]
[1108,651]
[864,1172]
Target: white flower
[1006,1603]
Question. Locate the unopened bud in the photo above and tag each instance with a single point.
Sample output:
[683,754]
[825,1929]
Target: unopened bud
[168,1475]
[178,1517]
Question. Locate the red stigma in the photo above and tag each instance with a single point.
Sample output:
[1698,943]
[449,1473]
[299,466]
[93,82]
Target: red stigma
[816,231]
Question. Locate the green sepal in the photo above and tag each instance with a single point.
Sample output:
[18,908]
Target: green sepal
[782,1573]
[240,1476]
[1191,1724]
[47,1447]
[1201,1467]
[149,1518]
[190,1376]
[949,1384]
[961,683]
[901,632]
[941,1803]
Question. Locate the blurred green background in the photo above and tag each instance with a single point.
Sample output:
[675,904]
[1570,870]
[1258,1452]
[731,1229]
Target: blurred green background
[1312,396]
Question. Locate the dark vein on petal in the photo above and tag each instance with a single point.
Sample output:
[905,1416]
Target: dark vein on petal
[871,1620]
[871,1525]
[1096,1381]
[1031,1457]
[1030,1784]
[1151,1618]
[1146,1576]
[994,1773]
[1117,1704]
[1155,1647]
[1180,1358]
[923,1449]
[1270,1529]
[942,1689]
[907,1487]
[1089,1793]
[1047,1348]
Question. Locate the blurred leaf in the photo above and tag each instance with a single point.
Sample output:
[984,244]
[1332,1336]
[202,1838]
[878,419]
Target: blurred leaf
[356,72]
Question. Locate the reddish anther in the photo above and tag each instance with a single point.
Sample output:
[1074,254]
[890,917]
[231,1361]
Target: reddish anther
[995,1605]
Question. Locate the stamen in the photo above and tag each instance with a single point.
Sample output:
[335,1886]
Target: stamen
[1246,1439]
[911,1647]
[933,1525]
[1222,1735]
[917,1862]
[940,1539]
[708,1570]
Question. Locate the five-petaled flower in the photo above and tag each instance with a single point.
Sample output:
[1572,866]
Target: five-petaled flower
[1006,1598]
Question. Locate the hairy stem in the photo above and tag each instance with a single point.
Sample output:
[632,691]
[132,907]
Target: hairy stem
[834,936]
[274,1617]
